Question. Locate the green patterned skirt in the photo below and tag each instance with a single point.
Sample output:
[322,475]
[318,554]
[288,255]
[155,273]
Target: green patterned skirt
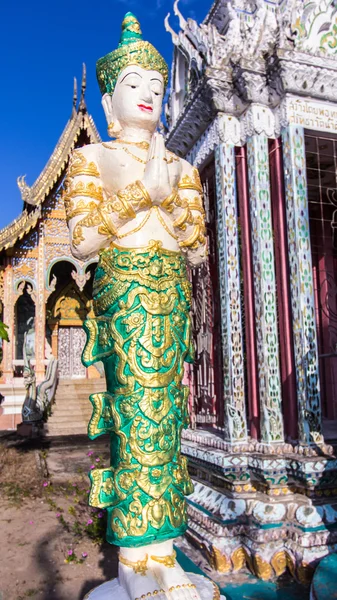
[142,333]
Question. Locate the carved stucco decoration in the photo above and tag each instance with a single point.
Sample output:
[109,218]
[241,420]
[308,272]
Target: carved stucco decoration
[71,307]
[249,52]
[316,27]
[80,279]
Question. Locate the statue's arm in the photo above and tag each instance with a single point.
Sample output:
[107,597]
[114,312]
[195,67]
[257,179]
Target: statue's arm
[186,207]
[93,217]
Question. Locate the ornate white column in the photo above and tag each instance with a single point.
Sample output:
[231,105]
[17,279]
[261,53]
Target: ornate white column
[264,289]
[301,286]
[40,310]
[230,295]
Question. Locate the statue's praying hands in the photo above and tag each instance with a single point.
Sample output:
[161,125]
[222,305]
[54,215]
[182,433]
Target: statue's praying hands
[139,207]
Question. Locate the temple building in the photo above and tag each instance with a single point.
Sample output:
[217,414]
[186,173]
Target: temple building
[253,106]
[45,291]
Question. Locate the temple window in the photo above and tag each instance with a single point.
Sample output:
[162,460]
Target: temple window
[24,324]
[321,158]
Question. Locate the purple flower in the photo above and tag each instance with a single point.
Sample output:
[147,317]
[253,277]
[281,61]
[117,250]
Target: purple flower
[45,483]
[89,522]
[100,515]
[88,491]
[90,453]
[58,515]
[84,554]
[31,522]
[98,459]
[92,467]
[70,552]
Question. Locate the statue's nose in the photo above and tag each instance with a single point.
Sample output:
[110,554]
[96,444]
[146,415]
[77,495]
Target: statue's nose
[146,95]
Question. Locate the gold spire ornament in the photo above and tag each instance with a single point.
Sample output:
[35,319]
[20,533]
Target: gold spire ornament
[132,50]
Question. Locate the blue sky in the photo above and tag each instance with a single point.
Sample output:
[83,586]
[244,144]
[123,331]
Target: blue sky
[43,46]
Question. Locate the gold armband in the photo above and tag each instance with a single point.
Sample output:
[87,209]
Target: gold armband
[81,208]
[81,189]
[191,183]
[80,166]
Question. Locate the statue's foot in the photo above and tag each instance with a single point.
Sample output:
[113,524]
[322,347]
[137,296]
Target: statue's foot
[172,578]
[138,581]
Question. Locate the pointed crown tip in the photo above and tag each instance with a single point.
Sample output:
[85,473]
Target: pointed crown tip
[131,30]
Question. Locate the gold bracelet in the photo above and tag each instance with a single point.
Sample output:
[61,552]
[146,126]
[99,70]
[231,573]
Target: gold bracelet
[167,561]
[132,199]
[145,193]
[104,212]
[139,566]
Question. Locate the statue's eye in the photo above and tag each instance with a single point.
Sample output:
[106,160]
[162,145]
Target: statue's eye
[133,87]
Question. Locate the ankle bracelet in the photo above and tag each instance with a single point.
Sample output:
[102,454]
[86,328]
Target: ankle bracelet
[167,561]
[139,566]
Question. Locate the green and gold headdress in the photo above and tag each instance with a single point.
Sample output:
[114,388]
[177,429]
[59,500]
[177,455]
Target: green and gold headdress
[132,50]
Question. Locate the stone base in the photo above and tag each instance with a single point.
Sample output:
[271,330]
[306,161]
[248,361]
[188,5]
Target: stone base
[111,590]
[30,430]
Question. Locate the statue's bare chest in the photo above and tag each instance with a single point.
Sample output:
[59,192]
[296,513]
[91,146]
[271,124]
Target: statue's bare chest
[121,166]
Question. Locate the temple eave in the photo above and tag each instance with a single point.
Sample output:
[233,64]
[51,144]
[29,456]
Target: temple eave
[18,228]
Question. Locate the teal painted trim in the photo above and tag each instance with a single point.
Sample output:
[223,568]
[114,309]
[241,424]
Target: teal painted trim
[268,525]
[209,514]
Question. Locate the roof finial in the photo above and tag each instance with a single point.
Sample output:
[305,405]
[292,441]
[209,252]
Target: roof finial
[182,20]
[175,38]
[75,96]
[82,105]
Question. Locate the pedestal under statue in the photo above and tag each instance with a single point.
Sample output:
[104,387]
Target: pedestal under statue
[140,208]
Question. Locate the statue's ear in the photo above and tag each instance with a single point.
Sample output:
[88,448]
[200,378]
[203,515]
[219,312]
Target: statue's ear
[114,126]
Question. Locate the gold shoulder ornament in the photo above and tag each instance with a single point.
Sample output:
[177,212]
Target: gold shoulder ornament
[80,166]
[191,183]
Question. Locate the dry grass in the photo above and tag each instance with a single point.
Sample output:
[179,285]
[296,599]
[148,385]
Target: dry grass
[20,476]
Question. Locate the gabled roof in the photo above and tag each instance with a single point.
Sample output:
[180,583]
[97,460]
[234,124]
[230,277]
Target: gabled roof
[79,121]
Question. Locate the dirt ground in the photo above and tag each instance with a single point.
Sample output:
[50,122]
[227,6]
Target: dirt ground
[51,542]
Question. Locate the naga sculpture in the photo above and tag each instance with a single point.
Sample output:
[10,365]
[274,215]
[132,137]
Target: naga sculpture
[38,397]
[140,208]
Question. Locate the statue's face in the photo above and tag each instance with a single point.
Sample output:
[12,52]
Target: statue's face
[137,98]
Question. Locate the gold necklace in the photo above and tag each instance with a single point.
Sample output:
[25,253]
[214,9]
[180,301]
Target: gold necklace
[144,162]
[143,145]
